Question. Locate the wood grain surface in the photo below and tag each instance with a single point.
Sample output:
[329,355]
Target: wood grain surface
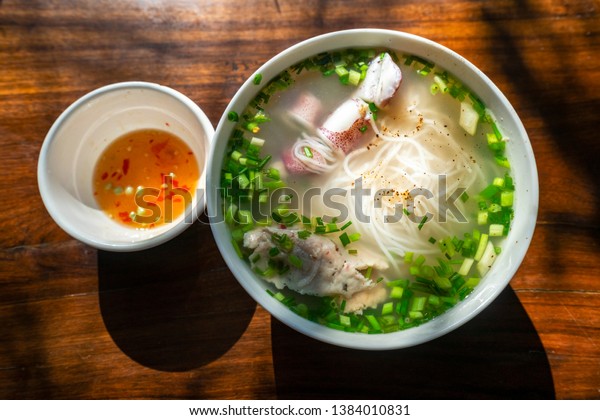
[172,322]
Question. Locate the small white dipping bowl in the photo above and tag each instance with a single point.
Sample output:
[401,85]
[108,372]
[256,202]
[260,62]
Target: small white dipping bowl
[519,152]
[84,130]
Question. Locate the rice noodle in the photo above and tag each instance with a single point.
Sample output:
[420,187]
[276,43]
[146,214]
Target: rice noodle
[320,145]
[396,168]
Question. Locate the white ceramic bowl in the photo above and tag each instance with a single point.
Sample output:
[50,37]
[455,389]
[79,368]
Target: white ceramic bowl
[520,155]
[82,132]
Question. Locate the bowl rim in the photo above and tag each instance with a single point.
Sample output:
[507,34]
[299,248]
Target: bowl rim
[43,180]
[432,329]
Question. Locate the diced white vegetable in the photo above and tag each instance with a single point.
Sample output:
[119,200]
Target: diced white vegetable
[441,84]
[496,230]
[487,259]
[483,241]
[468,117]
[256,141]
[466,266]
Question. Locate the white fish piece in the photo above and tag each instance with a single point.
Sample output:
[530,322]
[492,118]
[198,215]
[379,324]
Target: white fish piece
[368,298]
[327,269]
[381,82]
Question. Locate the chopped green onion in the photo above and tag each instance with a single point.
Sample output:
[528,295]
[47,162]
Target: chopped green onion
[417,304]
[273,174]
[494,208]
[502,161]
[332,227]
[496,230]
[243,181]
[230,213]
[284,241]
[422,222]
[482,217]
[245,217]
[433,300]
[345,239]
[442,86]
[415,314]
[489,191]
[233,116]
[466,266]
[295,260]
[343,74]
[236,155]
[237,248]
[506,198]
[258,142]
[346,225]
[443,283]
[420,260]
[396,292]
[387,308]
[498,182]
[304,234]
[354,237]
[354,77]
[373,321]
[345,320]
[257,79]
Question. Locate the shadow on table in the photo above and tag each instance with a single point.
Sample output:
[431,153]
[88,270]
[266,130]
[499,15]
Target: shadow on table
[174,307]
[497,355]
[562,99]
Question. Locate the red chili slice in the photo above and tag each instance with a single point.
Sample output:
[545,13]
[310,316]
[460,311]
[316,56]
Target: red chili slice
[125,166]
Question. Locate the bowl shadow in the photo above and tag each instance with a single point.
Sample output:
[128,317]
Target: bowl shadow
[174,307]
[496,355]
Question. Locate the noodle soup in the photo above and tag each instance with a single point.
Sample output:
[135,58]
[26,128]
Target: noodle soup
[369,188]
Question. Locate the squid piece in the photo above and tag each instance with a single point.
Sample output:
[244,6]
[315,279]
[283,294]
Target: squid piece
[339,134]
[381,82]
[347,124]
[305,112]
[343,129]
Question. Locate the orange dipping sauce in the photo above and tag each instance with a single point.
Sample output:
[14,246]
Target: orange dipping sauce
[145,178]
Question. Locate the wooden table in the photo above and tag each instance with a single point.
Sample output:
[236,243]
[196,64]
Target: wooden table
[172,322]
